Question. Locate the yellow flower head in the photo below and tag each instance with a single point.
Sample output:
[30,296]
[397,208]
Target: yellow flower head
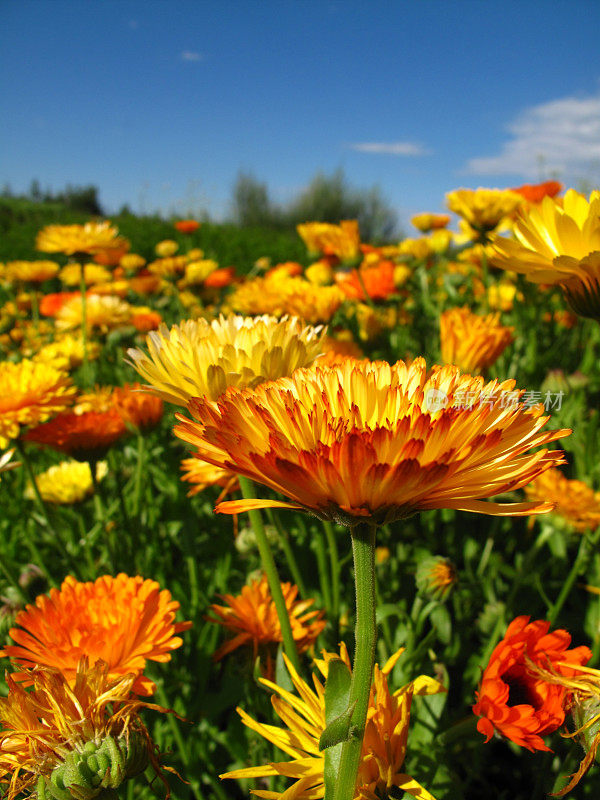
[558,243]
[252,617]
[202,359]
[303,714]
[501,295]
[132,261]
[319,273]
[93,273]
[198,271]
[66,352]
[575,502]
[168,267]
[202,475]
[367,441]
[86,736]
[93,237]
[342,241]
[66,483]
[472,342]
[103,312]
[436,577]
[31,271]
[283,295]
[31,393]
[430,222]
[483,209]
[166,248]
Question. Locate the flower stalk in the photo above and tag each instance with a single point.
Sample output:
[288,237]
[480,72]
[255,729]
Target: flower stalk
[268,564]
[363,550]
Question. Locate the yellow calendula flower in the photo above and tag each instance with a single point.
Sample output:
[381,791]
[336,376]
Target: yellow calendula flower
[502,295]
[202,359]
[198,271]
[470,341]
[31,393]
[93,273]
[166,248]
[168,266]
[417,248]
[576,503]
[342,241]
[319,273]
[384,746]
[66,483]
[436,577]
[78,740]
[132,261]
[430,222]
[93,237]
[373,442]
[66,352]
[282,295]
[202,475]
[483,209]
[31,271]
[558,243]
[103,312]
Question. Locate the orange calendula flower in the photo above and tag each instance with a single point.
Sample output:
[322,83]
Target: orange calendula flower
[81,737]
[123,622]
[138,408]
[377,281]
[472,342]
[145,319]
[252,617]
[86,436]
[199,358]
[535,193]
[513,700]
[202,475]
[31,393]
[370,442]
[575,502]
[558,243]
[187,225]
[220,278]
[74,239]
[483,209]
[341,241]
[282,296]
[31,271]
[384,745]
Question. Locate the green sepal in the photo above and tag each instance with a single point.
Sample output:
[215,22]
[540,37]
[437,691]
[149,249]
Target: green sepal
[282,676]
[337,717]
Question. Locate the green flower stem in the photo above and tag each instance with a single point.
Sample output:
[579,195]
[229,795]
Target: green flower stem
[85,368]
[363,550]
[137,479]
[586,547]
[266,557]
[288,552]
[42,507]
[335,569]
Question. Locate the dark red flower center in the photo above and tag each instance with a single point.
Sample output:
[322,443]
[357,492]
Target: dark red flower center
[520,689]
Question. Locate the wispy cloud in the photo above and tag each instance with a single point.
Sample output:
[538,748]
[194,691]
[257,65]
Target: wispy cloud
[390,148]
[191,55]
[562,136]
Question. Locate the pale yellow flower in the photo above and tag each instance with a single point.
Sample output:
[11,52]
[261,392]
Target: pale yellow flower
[66,352]
[30,271]
[70,275]
[166,248]
[93,237]
[342,241]
[102,311]
[201,359]
[131,261]
[198,271]
[66,483]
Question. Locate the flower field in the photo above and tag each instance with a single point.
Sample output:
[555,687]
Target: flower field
[322,525]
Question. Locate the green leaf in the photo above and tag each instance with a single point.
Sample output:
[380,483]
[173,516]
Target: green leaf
[282,676]
[337,714]
[441,621]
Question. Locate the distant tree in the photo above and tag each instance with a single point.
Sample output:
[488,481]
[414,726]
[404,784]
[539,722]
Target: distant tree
[251,203]
[329,198]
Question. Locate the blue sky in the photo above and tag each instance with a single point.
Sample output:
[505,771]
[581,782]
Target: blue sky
[161,104]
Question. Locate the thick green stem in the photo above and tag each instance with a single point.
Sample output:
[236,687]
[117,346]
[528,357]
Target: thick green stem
[137,480]
[268,564]
[363,550]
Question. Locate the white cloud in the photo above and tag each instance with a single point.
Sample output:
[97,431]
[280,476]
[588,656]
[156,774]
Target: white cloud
[561,136]
[390,148]
[191,55]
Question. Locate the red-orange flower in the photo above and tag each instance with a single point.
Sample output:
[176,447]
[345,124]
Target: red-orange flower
[140,409]
[50,304]
[535,193]
[187,225]
[377,281]
[121,621]
[513,699]
[220,278]
[86,436]
[252,616]
[146,320]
